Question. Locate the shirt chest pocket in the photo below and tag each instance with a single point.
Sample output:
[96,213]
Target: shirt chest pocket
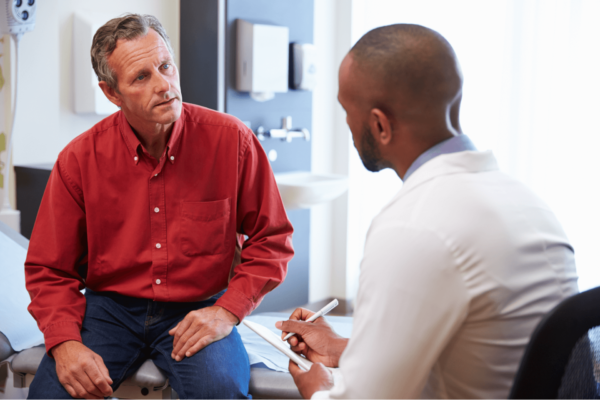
[204,227]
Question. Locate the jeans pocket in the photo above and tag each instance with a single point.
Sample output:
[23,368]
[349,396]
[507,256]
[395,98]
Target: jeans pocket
[204,227]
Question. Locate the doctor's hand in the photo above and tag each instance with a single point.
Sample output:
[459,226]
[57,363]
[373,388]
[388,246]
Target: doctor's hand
[315,340]
[81,371]
[199,329]
[309,382]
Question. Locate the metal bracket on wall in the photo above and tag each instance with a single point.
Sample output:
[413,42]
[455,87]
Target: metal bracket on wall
[285,133]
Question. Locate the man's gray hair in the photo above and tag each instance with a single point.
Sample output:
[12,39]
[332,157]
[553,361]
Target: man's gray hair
[128,27]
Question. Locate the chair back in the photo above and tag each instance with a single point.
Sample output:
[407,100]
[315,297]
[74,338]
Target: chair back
[562,357]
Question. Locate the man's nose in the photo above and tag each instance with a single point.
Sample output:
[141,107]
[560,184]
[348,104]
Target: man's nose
[161,84]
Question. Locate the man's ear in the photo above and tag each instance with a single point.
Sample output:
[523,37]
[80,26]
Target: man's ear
[381,126]
[110,93]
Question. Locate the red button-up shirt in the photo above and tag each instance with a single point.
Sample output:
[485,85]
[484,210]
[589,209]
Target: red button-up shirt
[113,218]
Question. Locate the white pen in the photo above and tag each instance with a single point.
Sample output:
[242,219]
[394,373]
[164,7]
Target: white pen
[316,315]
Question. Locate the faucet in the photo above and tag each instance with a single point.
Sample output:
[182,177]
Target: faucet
[284,133]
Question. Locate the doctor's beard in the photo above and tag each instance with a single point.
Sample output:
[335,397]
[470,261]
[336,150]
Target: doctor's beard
[369,154]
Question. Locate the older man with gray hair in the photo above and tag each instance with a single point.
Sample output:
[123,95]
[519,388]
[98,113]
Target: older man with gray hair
[145,211]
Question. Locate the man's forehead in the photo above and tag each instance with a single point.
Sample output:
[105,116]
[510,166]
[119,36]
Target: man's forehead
[358,84]
[132,51]
[348,79]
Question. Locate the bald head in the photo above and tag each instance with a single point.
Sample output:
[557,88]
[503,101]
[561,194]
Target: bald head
[410,61]
[401,87]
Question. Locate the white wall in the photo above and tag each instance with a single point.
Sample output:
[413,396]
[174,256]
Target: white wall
[330,149]
[45,120]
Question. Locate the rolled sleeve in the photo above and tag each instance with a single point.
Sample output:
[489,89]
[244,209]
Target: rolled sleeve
[262,217]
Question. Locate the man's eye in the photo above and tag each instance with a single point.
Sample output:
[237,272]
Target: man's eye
[166,66]
[139,78]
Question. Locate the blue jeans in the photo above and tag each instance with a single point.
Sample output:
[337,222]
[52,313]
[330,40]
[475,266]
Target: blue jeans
[126,331]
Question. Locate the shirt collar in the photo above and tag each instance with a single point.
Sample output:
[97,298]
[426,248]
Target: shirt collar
[134,144]
[453,145]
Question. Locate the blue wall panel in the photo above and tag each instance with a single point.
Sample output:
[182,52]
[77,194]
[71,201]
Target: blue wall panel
[198,75]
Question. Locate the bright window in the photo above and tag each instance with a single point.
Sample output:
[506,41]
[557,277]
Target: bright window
[531,94]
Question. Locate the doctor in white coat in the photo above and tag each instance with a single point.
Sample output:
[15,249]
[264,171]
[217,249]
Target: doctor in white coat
[463,262]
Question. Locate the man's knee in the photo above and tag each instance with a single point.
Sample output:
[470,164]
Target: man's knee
[45,384]
[221,370]
[221,384]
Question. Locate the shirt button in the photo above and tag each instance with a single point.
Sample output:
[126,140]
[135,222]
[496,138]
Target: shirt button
[158,245]
[172,158]
[156,209]
[155,174]
[135,158]
[158,281]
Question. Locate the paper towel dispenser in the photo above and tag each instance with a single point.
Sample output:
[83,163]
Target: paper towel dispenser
[262,59]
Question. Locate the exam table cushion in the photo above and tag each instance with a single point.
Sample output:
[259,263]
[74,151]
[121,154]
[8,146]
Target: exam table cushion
[148,375]
[265,383]
[5,349]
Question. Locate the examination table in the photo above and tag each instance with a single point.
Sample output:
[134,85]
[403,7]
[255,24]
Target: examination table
[150,383]
[268,375]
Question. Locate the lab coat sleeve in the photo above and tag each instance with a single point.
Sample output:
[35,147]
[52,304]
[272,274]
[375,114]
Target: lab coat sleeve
[411,301]
[262,217]
[56,250]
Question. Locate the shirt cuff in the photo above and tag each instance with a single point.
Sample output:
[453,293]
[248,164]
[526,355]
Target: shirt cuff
[323,394]
[236,303]
[61,332]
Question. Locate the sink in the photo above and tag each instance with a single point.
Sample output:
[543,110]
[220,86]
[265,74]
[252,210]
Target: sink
[306,189]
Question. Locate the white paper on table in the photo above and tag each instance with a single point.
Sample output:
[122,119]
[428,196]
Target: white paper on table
[15,321]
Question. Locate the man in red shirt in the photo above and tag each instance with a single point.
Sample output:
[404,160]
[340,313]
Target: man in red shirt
[142,210]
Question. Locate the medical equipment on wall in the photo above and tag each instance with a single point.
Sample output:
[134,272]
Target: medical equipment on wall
[262,59]
[16,18]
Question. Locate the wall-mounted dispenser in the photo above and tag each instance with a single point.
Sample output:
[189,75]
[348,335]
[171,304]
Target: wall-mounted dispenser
[262,59]
[89,98]
[304,66]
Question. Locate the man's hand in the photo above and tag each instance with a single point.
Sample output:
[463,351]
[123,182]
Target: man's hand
[315,340]
[81,371]
[199,329]
[317,379]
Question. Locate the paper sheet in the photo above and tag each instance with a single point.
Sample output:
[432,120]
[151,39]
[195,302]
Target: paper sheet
[259,351]
[15,321]
[279,345]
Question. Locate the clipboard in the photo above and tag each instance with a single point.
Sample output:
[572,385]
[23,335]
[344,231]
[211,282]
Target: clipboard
[276,342]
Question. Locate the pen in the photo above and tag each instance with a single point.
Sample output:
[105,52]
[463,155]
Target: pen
[316,315]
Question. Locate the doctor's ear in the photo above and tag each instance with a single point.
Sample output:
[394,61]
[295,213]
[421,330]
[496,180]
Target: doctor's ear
[110,93]
[381,127]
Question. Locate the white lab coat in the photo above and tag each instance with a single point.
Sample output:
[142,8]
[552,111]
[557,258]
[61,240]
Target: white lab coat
[458,270]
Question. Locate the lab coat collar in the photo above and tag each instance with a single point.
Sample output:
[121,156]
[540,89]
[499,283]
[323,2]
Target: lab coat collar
[453,145]
[448,164]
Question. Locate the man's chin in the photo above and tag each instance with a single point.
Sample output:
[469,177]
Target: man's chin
[166,115]
[372,167]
